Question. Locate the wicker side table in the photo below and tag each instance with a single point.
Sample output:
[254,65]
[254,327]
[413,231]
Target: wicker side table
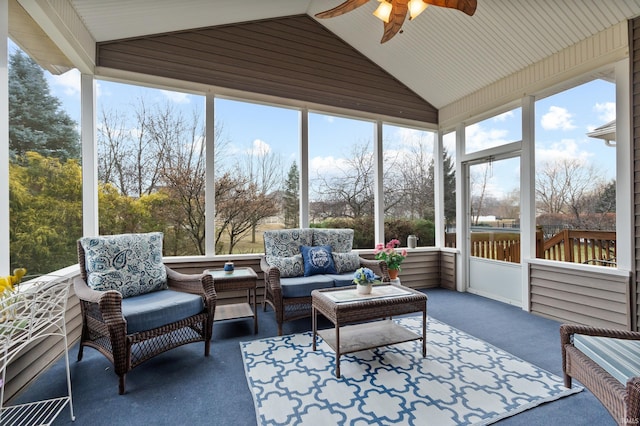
[343,306]
[240,279]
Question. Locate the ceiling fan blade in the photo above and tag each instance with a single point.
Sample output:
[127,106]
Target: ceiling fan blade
[341,9]
[396,19]
[466,6]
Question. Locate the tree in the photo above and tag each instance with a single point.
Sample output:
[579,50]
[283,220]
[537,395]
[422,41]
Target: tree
[238,204]
[263,169]
[350,192]
[478,193]
[449,185]
[606,198]
[36,121]
[46,212]
[291,198]
[563,186]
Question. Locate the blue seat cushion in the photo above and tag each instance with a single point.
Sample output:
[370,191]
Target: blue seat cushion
[303,286]
[158,308]
[342,280]
[619,357]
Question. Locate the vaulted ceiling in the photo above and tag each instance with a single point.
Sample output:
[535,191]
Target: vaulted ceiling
[442,56]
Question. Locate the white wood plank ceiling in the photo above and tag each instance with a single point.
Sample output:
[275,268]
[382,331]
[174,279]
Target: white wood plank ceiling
[443,55]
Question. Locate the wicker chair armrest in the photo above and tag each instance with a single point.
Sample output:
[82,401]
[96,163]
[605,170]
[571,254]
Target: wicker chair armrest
[568,330]
[379,267]
[187,283]
[109,302]
[632,400]
[207,284]
[271,274]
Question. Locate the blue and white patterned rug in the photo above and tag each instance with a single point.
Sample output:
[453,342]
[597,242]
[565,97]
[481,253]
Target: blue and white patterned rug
[462,381]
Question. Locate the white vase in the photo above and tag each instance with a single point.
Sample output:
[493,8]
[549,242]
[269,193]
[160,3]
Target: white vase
[364,289]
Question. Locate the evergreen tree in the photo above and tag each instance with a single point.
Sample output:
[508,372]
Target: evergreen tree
[449,184]
[292,198]
[36,121]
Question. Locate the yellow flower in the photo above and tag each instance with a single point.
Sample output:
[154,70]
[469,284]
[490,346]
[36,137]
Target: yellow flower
[8,283]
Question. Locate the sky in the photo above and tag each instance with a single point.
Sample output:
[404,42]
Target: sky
[562,122]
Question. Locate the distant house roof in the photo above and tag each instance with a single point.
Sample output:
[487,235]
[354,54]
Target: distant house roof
[607,132]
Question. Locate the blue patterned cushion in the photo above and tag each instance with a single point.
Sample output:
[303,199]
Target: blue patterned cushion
[286,242]
[317,260]
[346,262]
[129,263]
[340,240]
[291,266]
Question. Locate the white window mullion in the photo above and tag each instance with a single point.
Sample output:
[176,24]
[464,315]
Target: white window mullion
[210,177]
[378,203]
[438,189]
[90,220]
[4,131]
[304,168]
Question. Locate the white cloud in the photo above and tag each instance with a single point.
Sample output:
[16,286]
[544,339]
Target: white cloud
[565,149]
[177,97]
[326,166]
[68,83]
[259,148]
[606,111]
[478,138]
[557,118]
[503,116]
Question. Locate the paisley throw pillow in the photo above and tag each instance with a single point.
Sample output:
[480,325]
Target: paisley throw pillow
[129,263]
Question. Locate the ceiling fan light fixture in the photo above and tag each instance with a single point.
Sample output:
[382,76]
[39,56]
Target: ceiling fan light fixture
[383,12]
[416,7]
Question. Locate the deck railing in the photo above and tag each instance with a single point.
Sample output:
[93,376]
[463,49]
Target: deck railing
[588,247]
[578,246]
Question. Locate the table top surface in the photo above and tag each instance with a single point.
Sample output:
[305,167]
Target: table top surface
[238,273]
[379,293]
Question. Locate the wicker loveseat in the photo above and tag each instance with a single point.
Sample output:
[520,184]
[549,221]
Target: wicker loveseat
[607,362]
[133,306]
[290,271]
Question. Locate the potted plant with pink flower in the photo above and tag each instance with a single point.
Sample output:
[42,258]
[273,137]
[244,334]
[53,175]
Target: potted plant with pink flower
[391,255]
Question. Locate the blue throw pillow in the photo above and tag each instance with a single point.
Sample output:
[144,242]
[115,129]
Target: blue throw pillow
[317,260]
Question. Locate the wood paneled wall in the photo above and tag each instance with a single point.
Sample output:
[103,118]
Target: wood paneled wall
[292,57]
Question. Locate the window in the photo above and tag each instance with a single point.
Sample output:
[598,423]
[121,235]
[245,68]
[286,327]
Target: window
[151,164]
[408,180]
[341,175]
[495,131]
[45,181]
[256,173]
[576,174]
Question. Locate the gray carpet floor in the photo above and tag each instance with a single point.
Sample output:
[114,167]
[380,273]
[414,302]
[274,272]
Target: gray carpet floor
[183,387]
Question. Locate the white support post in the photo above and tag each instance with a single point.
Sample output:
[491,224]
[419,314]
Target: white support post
[438,189]
[210,176]
[378,203]
[90,220]
[5,248]
[462,218]
[304,168]
[625,233]
[527,195]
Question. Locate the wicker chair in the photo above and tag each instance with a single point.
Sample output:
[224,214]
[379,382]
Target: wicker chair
[105,327]
[621,400]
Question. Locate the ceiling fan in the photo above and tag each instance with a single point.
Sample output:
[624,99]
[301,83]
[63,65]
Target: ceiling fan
[394,12]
